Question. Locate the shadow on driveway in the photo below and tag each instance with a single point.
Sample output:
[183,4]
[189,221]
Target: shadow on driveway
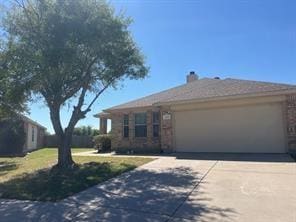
[140,195]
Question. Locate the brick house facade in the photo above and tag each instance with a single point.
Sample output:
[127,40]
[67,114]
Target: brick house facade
[141,144]
[166,139]
[290,106]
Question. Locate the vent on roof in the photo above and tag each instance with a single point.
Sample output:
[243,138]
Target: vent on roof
[191,77]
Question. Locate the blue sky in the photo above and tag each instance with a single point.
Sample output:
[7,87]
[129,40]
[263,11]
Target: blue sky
[238,39]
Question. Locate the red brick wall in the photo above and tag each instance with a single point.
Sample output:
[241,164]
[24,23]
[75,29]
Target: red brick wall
[120,143]
[291,121]
[166,129]
[150,143]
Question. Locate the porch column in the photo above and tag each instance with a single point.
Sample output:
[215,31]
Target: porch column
[103,125]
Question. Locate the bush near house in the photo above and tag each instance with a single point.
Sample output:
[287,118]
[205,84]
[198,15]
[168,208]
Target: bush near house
[12,136]
[102,143]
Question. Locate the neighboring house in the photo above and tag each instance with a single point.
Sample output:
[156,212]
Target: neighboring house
[34,134]
[208,115]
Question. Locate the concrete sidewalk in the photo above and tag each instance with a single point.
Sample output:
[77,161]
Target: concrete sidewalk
[181,188]
[113,154]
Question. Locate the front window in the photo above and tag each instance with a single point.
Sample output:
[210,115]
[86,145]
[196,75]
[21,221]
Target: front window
[125,126]
[155,124]
[140,125]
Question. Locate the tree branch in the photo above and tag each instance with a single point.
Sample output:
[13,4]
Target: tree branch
[84,76]
[77,114]
[98,94]
[22,5]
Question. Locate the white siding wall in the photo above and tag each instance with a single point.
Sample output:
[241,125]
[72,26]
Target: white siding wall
[32,137]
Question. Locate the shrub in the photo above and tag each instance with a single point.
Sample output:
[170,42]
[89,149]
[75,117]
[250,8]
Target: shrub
[12,136]
[102,143]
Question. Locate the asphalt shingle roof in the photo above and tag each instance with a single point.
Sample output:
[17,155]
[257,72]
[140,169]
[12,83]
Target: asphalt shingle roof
[207,88]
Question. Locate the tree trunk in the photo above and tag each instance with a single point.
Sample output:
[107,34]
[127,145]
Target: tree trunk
[64,152]
[64,139]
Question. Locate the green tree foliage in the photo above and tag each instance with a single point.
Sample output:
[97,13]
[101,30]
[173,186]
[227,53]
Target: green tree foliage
[68,50]
[13,88]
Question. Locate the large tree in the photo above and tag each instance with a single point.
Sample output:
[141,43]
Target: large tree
[68,49]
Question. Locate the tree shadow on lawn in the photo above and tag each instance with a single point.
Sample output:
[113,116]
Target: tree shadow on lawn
[54,184]
[139,195]
[6,166]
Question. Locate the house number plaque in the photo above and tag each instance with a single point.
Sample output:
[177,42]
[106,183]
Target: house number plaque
[166,116]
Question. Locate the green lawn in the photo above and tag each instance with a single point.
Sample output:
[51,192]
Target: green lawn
[32,178]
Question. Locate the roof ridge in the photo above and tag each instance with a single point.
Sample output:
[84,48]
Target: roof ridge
[210,83]
[260,81]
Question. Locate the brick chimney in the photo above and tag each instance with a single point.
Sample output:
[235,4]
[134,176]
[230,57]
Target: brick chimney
[191,77]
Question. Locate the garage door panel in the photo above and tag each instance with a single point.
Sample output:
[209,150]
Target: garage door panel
[249,129]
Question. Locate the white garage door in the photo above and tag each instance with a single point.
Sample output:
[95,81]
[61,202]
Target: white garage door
[245,129]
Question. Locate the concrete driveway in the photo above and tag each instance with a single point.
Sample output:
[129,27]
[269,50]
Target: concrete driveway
[186,187]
